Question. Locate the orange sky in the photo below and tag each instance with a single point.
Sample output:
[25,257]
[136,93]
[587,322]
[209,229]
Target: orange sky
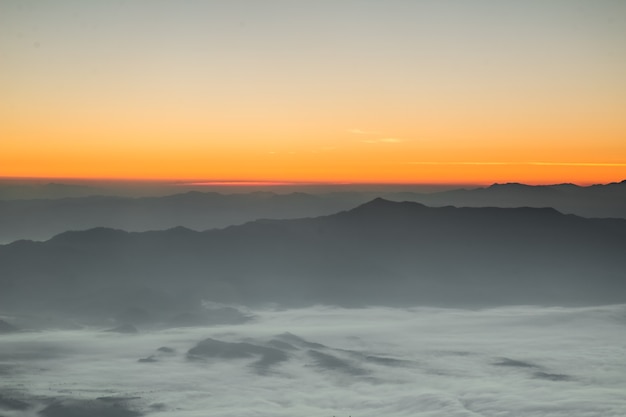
[421,92]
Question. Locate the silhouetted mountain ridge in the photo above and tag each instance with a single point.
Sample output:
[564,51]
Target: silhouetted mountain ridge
[602,200]
[381,252]
[380,205]
[100,234]
[42,219]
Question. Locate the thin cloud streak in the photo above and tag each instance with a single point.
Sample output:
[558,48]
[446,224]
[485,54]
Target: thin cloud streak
[362,132]
[383,140]
[573,164]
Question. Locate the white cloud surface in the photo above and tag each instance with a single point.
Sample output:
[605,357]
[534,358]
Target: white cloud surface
[517,361]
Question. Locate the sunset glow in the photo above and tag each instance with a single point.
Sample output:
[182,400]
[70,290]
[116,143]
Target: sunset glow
[320,91]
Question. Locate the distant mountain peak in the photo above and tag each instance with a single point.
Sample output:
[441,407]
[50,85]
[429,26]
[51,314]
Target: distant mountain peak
[96,234]
[379,201]
[180,230]
[509,185]
[379,204]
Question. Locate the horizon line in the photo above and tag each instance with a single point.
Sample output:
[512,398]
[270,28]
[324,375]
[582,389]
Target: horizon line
[181,182]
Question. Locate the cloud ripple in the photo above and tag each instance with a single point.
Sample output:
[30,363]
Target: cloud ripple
[324,361]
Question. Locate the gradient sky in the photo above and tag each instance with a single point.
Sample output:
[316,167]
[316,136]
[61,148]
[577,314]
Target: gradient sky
[359,91]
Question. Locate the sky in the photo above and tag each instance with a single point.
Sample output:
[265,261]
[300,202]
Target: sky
[274,91]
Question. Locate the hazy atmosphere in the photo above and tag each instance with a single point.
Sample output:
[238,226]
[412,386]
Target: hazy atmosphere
[289,208]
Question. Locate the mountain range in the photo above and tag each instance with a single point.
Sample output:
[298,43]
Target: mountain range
[40,219]
[379,253]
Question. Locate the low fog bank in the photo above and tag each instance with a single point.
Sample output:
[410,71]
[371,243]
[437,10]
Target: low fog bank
[126,320]
[323,361]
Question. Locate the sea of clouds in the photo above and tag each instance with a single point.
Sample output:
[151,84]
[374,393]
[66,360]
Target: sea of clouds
[516,361]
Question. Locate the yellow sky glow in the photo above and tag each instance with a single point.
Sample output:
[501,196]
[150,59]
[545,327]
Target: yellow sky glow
[401,92]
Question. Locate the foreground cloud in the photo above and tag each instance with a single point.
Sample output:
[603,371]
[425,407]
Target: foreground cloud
[522,361]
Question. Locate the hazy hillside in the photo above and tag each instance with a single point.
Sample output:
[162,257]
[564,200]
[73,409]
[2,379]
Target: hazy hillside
[40,219]
[379,253]
[602,200]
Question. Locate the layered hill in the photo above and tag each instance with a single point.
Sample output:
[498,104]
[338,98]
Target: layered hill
[382,252]
[601,200]
[40,219]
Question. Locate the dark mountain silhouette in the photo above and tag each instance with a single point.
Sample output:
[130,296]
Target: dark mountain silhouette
[43,218]
[594,201]
[381,252]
